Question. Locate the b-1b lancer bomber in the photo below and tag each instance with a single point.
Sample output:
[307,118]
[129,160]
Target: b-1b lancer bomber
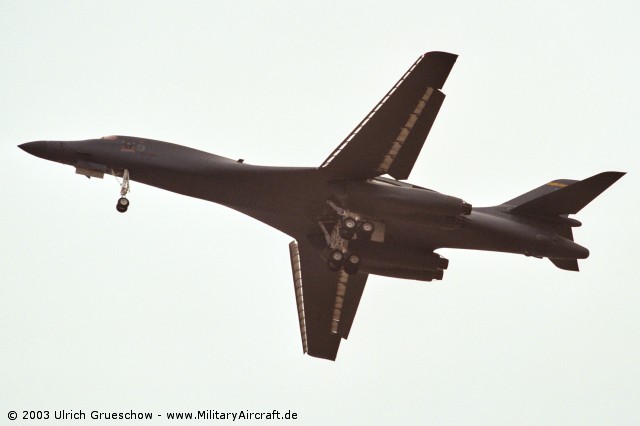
[353,215]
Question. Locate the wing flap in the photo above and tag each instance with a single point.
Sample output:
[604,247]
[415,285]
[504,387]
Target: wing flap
[296,269]
[355,288]
[391,136]
[325,311]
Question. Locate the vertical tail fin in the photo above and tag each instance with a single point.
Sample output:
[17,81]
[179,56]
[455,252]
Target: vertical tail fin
[557,199]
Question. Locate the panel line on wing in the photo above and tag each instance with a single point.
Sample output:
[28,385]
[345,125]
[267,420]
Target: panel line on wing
[404,132]
[355,131]
[296,268]
[343,277]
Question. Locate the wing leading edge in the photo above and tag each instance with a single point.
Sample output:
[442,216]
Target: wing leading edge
[326,301]
[389,139]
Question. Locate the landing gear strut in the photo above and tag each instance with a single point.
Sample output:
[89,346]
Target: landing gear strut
[346,229]
[349,226]
[123,202]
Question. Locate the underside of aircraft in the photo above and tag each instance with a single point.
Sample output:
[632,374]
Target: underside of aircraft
[354,215]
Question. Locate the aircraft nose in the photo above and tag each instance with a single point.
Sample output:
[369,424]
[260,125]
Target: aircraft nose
[37,148]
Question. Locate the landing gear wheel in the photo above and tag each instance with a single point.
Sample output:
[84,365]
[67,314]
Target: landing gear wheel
[365,230]
[352,264]
[336,258]
[348,228]
[123,205]
[123,202]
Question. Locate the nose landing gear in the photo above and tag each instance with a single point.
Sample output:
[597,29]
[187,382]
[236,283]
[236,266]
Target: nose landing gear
[123,205]
[123,202]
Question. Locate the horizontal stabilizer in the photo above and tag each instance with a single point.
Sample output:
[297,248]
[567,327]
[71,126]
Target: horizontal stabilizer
[566,264]
[563,197]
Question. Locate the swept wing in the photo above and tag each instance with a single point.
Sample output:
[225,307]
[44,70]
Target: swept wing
[326,301]
[389,139]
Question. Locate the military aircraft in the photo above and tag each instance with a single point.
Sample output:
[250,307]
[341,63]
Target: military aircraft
[347,218]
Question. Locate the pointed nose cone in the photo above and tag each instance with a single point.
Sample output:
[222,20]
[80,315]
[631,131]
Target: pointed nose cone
[38,148]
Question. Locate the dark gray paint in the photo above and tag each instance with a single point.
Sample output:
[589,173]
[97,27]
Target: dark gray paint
[298,201]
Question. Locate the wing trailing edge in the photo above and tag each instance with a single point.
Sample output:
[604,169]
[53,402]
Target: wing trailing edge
[389,139]
[296,269]
[326,301]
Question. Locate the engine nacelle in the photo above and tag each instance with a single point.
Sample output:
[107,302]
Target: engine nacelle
[407,274]
[384,201]
[380,257]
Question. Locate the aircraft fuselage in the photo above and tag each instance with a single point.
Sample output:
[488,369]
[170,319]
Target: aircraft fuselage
[413,217]
[346,218]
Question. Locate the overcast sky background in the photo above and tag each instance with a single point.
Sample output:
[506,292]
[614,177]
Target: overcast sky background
[181,304]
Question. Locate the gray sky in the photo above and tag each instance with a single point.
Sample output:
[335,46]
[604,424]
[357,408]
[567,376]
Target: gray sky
[185,305]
